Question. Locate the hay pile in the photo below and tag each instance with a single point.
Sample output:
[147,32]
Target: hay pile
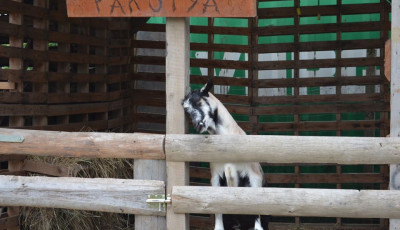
[63,219]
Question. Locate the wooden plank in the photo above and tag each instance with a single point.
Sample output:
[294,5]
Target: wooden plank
[49,169]
[316,98]
[16,63]
[322,28]
[9,222]
[286,201]
[320,81]
[11,157]
[58,98]
[7,85]
[161,8]
[64,77]
[283,12]
[177,85]
[318,63]
[53,56]
[326,125]
[304,178]
[394,183]
[86,144]
[60,110]
[319,46]
[318,108]
[150,170]
[40,45]
[94,194]
[281,149]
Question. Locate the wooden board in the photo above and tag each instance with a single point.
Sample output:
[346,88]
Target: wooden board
[95,194]
[177,85]
[85,144]
[282,149]
[395,100]
[161,8]
[150,170]
[286,201]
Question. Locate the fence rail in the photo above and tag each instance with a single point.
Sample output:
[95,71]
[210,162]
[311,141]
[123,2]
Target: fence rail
[203,148]
[93,194]
[283,149]
[287,202]
[128,196]
[85,144]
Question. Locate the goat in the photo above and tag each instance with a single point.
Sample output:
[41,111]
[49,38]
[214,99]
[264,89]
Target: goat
[209,114]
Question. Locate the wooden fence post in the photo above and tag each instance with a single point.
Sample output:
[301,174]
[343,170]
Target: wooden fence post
[150,170]
[395,99]
[16,121]
[177,84]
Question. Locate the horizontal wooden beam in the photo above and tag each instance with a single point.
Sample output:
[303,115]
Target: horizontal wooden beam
[92,194]
[283,149]
[203,148]
[7,85]
[84,144]
[161,8]
[287,202]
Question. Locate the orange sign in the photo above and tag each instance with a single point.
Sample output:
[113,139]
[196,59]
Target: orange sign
[161,8]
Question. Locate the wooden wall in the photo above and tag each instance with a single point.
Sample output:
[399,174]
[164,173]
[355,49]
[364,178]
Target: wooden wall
[279,96]
[63,74]
[69,74]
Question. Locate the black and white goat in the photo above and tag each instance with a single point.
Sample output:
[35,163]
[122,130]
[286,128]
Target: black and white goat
[209,114]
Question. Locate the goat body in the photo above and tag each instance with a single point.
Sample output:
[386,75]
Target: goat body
[209,114]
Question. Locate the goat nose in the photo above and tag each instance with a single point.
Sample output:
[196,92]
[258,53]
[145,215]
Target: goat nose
[201,123]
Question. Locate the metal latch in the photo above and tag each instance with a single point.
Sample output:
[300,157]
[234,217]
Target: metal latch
[11,138]
[158,201]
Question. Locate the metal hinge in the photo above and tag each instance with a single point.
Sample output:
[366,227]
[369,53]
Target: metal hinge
[158,201]
[11,138]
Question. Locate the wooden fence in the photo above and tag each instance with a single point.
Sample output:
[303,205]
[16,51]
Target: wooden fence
[83,79]
[58,73]
[129,196]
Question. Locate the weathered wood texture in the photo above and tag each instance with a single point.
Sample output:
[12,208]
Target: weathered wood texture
[287,202]
[15,63]
[288,103]
[85,144]
[150,170]
[163,8]
[395,100]
[60,63]
[94,194]
[177,86]
[282,149]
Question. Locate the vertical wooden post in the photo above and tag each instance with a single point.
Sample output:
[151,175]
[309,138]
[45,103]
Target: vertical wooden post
[395,98]
[16,121]
[63,67]
[150,170]
[177,85]
[40,45]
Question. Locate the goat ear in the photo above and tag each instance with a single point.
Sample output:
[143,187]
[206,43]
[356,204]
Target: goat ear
[206,88]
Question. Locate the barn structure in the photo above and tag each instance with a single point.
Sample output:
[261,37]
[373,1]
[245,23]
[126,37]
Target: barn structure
[299,68]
